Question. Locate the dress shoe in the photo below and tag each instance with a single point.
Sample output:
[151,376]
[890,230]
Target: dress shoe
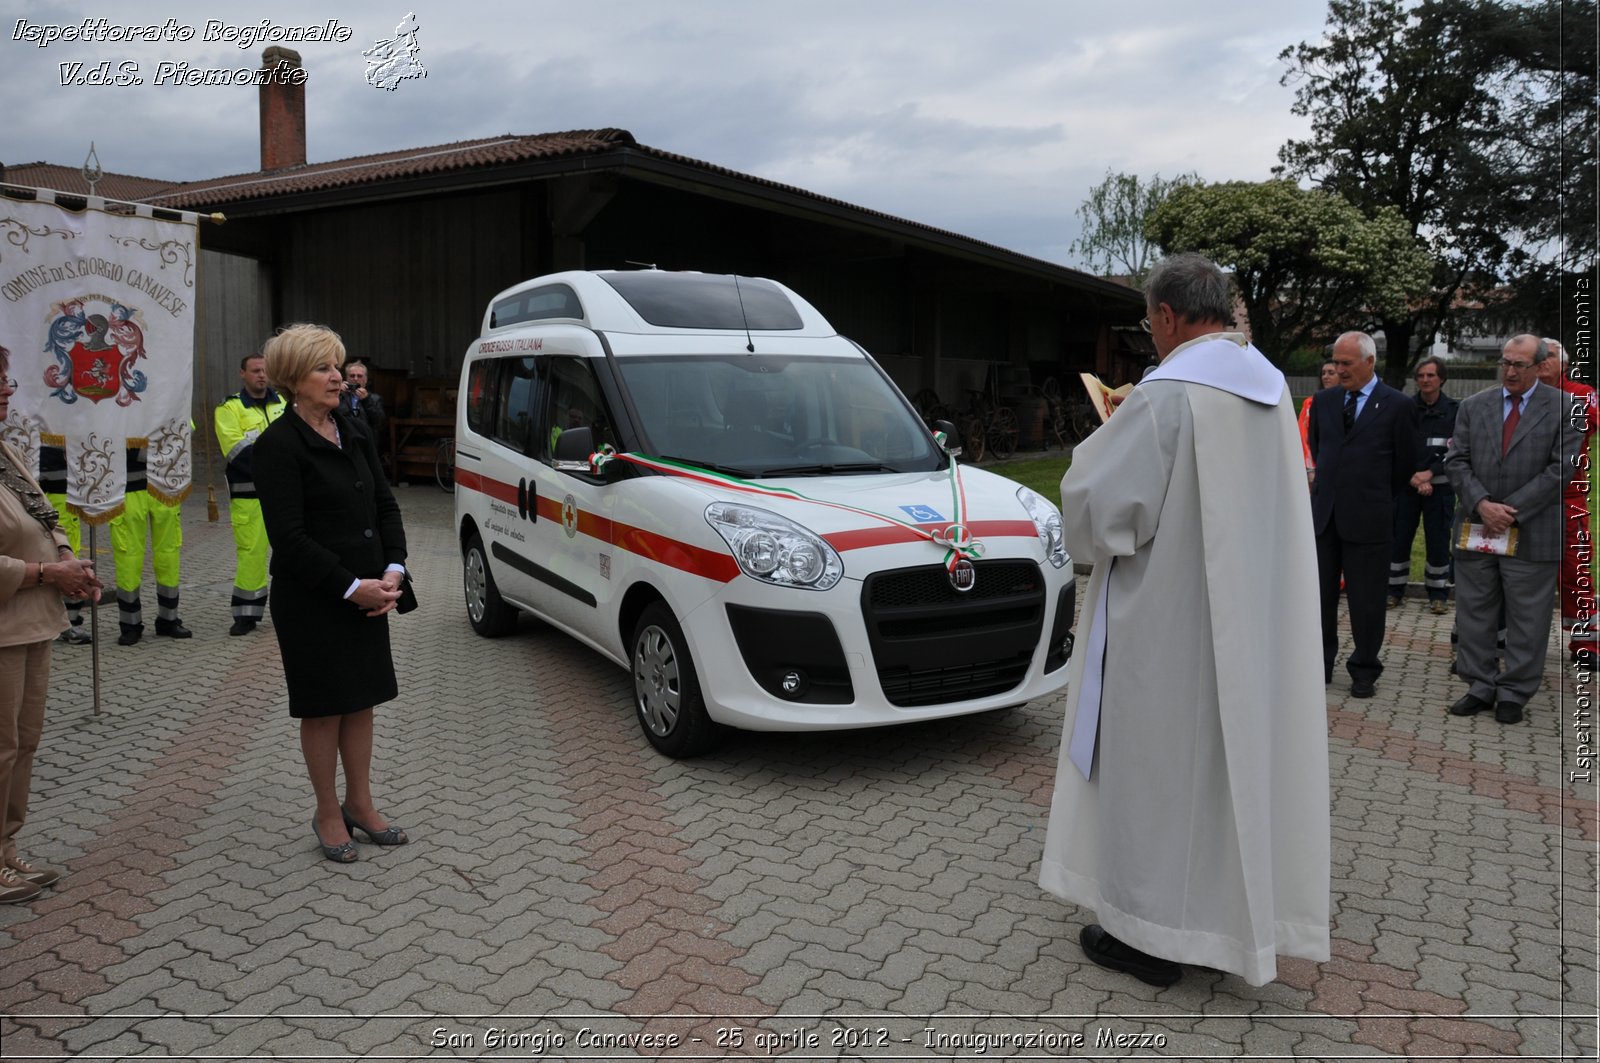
[1469,705]
[173,629]
[15,889]
[242,627]
[39,876]
[343,853]
[1438,608]
[1108,952]
[1362,688]
[130,635]
[1508,712]
[390,835]
[75,636]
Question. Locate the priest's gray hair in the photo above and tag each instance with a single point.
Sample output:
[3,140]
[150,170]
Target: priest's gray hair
[1367,345]
[1193,286]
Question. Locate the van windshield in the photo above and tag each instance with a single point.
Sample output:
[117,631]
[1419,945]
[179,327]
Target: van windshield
[756,415]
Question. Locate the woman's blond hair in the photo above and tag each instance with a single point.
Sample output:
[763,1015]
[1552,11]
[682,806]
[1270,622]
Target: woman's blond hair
[295,350]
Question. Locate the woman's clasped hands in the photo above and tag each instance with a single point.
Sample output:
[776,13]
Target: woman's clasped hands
[74,577]
[378,596]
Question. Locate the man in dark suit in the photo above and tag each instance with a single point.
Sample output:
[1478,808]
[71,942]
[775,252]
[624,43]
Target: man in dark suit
[1363,440]
[1508,461]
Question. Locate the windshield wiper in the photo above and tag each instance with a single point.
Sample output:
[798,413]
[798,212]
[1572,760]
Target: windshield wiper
[828,470]
[731,470]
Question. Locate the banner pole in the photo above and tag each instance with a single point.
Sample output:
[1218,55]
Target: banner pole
[94,626]
[51,195]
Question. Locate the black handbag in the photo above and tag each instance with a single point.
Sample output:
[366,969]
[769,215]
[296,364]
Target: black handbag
[408,595]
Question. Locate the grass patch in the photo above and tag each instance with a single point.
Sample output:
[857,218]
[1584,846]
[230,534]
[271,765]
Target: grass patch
[1042,474]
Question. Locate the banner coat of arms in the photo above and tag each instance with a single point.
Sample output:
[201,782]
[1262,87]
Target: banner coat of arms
[98,312]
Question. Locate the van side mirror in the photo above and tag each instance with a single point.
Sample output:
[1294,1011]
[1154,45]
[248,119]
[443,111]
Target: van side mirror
[573,447]
[952,437]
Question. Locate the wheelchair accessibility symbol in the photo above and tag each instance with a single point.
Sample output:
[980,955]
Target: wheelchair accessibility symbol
[922,514]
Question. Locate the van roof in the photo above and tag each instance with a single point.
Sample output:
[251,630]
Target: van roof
[656,301]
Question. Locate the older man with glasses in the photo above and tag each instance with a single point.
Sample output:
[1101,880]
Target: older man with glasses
[1507,462]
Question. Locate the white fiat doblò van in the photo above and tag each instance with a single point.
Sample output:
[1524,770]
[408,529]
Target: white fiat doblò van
[697,476]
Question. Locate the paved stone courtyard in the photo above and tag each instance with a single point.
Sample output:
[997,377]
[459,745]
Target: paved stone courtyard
[872,895]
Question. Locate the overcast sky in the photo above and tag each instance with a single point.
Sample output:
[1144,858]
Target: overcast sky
[989,119]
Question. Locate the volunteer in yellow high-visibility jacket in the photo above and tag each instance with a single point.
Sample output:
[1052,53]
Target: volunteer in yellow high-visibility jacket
[240,420]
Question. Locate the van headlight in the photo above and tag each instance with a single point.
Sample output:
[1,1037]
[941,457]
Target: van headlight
[1047,520]
[775,549]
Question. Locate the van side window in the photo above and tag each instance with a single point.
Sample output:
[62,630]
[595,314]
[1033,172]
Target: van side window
[538,304]
[480,395]
[572,399]
[516,396]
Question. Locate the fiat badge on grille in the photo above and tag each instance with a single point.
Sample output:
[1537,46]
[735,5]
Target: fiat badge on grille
[963,576]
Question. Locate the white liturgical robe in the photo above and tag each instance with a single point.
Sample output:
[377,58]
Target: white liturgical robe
[1202,833]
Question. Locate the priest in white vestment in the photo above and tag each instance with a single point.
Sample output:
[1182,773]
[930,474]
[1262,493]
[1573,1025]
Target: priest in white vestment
[1191,803]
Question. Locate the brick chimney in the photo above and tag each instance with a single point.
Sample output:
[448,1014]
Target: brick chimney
[283,112]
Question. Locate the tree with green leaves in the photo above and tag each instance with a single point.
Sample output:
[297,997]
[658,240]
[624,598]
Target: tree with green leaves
[1407,110]
[1307,264]
[1552,132]
[1113,240]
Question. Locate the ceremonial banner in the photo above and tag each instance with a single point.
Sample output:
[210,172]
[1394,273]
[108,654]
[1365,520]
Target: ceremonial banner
[98,312]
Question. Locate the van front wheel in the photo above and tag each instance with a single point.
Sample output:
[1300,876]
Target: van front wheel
[666,691]
[488,613]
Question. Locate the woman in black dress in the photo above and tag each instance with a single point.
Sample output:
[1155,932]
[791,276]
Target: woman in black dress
[338,558]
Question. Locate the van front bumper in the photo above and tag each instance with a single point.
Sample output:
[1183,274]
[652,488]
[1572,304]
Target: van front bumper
[896,647]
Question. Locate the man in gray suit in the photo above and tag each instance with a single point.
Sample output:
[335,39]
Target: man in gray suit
[1508,460]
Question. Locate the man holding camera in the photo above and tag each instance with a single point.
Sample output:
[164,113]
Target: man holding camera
[364,405]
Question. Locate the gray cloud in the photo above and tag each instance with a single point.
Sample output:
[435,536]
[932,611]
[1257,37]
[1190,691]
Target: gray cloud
[993,121]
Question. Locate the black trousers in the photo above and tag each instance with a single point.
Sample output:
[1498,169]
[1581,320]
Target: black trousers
[1365,568]
[1435,512]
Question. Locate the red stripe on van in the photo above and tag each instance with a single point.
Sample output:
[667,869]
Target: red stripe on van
[713,564]
[473,481]
[549,508]
[890,534]
[698,560]
[695,560]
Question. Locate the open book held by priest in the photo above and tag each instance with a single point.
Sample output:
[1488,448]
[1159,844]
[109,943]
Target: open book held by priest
[1103,398]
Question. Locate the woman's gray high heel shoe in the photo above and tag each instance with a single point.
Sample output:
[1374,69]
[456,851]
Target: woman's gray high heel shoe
[343,853]
[387,836]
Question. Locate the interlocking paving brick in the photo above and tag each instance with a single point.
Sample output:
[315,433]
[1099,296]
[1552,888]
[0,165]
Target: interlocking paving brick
[561,867]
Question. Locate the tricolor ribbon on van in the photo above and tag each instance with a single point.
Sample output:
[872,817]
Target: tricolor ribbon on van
[956,538]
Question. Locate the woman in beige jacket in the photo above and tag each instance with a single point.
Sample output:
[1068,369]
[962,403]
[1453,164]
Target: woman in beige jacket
[37,568]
